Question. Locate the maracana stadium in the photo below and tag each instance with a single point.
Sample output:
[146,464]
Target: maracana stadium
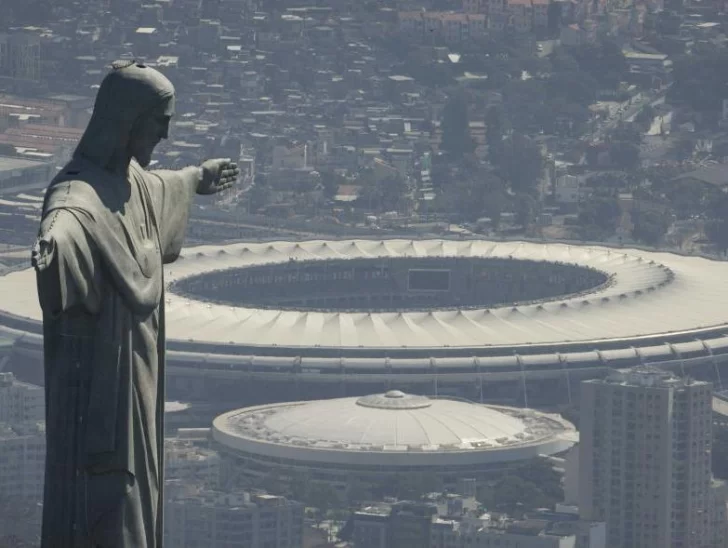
[505,322]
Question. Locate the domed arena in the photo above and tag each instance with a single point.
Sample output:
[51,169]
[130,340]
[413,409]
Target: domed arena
[513,322]
[377,437]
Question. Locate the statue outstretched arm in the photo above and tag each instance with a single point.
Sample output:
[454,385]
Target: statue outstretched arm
[172,193]
[211,177]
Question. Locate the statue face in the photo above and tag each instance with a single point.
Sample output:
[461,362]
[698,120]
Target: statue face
[147,132]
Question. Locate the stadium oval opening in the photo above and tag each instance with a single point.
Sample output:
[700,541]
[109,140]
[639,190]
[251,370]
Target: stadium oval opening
[393,284]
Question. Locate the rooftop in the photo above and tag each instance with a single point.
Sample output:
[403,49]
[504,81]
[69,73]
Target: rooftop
[712,175]
[8,163]
[22,430]
[393,421]
[645,289]
[650,376]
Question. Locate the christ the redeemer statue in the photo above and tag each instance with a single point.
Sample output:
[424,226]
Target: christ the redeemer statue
[108,226]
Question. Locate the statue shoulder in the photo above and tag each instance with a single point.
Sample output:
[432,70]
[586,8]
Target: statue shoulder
[81,191]
[60,233]
[72,203]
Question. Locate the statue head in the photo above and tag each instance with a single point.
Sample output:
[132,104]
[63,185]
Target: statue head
[131,115]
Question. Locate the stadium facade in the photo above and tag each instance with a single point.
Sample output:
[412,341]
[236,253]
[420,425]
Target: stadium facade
[513,321]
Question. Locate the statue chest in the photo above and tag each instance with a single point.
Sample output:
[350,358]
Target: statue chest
[137,221]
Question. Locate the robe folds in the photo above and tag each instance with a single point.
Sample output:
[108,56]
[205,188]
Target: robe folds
[99,260]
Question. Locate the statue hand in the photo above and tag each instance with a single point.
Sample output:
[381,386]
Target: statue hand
[217,175]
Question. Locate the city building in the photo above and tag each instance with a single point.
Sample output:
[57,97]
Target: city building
[475,6]
[575,35]
[41,142]
[20,174]
[22,460]
[378,437]
[719,493]
[457,522]
[569,191]
[20,401]
[520,15]
[290,157]
[196,517]
[410,524]
[20,56]
[659,63]
[451,27]
[16,110]
[644,462]
[484,532]
[184,460]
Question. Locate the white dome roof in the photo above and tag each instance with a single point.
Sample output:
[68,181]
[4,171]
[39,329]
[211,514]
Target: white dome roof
[384,421]
[393,429]
[396,419]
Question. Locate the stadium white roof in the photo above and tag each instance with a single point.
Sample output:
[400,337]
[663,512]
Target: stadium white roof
[393,424]
[364,422]
[651,293]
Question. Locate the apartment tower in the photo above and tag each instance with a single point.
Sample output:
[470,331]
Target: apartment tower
[644,459]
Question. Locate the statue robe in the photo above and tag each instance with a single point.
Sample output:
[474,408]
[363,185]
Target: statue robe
[99,263]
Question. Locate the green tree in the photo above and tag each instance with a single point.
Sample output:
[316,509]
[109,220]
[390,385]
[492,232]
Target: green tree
[541,473]
[605,62]
[331,182]
[720,453]
[602,214]
[609,183]
[357,492]
[7,149]
[667,23]
[563,61]
[569,119]
[528,487]
[682,149]
[716,229]
[273,483]
[495,130]
[576,86]
[687,199]
[299,485]
[720,148]
[413,486]
[513,493]
[626,133]
[522,164]
[650,227]
[700,80]
[456,138]
[661,177]
[429,74]
[644,117]
[258,196]
[470,197]
[323,497]
[625,155]
[392,191]
[526,209]
[385,194]
[441,172]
